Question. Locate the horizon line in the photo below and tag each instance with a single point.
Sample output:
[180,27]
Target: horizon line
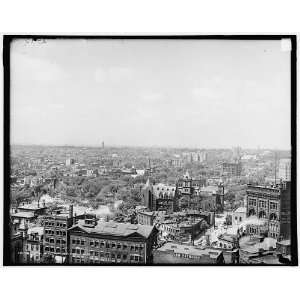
[152,146]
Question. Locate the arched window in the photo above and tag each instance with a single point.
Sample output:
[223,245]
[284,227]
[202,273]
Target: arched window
[273,217]
[252,212]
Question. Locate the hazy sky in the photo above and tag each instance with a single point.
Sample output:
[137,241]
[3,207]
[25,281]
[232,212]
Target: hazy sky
[201,93]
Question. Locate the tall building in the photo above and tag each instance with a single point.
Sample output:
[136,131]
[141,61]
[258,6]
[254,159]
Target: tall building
[284,169]
[270,204]
[110,242]
[103,145]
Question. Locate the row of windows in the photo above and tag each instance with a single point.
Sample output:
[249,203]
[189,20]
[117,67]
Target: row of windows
[108,257]
[57,224]
[55,250]
[33,247]
[263,204]
[53,232]
[112,245]
[52,241]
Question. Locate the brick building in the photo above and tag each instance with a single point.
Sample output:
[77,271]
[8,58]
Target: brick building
[110,243]
[271,204]
[56,237]
[34,244]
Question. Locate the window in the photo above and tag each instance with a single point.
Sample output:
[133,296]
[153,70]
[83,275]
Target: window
[118,246]
[124,247]
[113,256]
[92,253]
[273,205]
[252,202]
[78,251]
[124,256]
[96,244]
[82,251]
[73,250]
[92,243]
[102,244]
[113,245]
[82,242]
[78,242]
[96,253]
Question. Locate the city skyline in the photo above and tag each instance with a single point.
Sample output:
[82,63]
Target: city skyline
[212,94]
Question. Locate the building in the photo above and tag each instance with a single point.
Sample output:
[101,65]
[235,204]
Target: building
[177,163]
[232,169]
[160,197]
[70,161]
[190,186]
[174,253]
[27,214]
[239,215]
[110,243]
[56,237]
[34,244]
[145,218]
[272,205]
[284,169]
[182,229]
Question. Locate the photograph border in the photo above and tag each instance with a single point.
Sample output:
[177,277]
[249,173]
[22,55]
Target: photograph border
[7,39]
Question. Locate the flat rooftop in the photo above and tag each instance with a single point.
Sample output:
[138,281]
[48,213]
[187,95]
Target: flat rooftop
[115,229]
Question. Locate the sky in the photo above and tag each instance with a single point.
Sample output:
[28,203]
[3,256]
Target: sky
[167,93]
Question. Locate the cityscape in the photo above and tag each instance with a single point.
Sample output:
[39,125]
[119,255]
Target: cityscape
[109,205]
[150,152]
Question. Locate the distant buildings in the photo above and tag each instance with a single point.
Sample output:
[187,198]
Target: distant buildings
[110,242]
[284,169]
[232,169]
[70,161]
[270,204]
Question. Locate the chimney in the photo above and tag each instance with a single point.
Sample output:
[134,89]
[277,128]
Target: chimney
[71,211]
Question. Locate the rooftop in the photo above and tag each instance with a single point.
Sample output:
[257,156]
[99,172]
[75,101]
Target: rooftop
[116,229]
[23,214]
[191,250]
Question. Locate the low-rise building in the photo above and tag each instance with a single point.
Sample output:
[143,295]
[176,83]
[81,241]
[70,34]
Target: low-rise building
[111,243]
[174,253]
